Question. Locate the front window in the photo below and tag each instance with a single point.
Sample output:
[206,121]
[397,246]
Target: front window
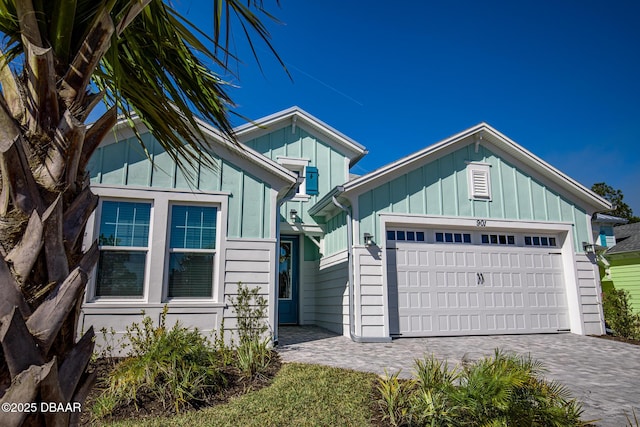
[192,249]
[123,240]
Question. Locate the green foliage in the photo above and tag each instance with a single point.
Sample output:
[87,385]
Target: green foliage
[251,312]
[432,403]
[615,196]
[225,352]
[176,366]
[162,67]
[619,315]
[253,355]
[508,390]
[394,400]
[504,390]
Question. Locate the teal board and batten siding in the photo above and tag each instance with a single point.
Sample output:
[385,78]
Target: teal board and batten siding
[441,188]
[335,237]
[299,143]
[124,163]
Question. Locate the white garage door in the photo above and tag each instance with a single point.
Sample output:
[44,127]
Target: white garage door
[466,283]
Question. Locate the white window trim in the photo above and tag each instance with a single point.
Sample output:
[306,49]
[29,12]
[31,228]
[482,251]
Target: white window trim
[484,169]
[161,200]
[297,164]
[170,250]
[146,249]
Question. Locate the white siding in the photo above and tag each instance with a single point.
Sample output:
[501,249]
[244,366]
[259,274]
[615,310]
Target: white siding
[252,263]
[116,317]
[332,294]
[369,296]
[590,295]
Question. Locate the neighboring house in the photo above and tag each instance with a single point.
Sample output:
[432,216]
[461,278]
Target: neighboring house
[472,235]
[603,226]
[623,271]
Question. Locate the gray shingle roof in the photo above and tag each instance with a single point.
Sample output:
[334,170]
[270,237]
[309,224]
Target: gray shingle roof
[627,238]
[609,219]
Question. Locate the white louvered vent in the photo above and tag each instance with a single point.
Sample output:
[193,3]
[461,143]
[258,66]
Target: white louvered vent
[479,182]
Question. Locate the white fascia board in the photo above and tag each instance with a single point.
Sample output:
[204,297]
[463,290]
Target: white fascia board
[524,155]
[283,118]
[495,138]
[243,151]
[408,162]
[230,151]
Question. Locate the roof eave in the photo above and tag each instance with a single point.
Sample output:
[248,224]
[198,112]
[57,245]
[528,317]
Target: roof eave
[503,142]
[357,150]
[319,208]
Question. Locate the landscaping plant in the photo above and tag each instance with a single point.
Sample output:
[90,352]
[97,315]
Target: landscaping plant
[503,390]
[177,367]
[395,394]
[619,315]
[253,354]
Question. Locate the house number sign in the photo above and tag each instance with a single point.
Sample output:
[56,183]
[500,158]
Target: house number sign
[481,222]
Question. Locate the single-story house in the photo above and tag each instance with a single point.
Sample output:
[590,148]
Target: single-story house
[623,269]
[471,235]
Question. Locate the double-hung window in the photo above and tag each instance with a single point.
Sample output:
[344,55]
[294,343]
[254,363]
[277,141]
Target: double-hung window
[123,242]
[192,250]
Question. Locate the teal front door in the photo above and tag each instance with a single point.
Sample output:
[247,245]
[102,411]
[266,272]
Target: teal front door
[288,281]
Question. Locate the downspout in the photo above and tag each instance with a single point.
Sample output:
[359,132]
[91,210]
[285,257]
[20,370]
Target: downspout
[288,196]
[352,314]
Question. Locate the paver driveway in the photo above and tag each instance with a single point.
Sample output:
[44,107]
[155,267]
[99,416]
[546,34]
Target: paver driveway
[603,374]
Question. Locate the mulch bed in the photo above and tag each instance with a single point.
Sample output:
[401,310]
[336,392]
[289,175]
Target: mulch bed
[616,338]
[148,406]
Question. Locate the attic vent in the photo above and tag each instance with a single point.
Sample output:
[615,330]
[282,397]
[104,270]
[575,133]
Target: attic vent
[479,181]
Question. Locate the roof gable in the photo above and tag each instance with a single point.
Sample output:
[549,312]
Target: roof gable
[295,116]
[481,134]
[237,154]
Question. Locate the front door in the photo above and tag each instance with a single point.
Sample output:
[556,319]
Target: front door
[288,280]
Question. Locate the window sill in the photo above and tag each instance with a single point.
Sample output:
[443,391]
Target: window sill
[301,198]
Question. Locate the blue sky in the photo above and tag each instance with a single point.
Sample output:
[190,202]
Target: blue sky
[561,78]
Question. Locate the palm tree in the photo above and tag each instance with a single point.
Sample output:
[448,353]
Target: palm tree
[59,60]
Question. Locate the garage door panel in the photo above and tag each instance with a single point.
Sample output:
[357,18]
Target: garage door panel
[457,289]
[458,324]
[506,322]
[417,324]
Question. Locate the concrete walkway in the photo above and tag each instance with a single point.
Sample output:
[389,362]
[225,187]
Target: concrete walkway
[603,374]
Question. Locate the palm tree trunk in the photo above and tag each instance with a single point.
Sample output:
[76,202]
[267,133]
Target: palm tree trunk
[45,203]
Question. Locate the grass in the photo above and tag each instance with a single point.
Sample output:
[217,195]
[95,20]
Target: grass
[300,395]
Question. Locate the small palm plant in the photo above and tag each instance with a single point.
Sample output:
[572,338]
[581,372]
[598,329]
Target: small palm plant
[503,390]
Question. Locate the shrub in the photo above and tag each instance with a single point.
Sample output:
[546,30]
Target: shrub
[504,390]
[619,315]
[176,367]
[251,312]
[253,355]
[509,390]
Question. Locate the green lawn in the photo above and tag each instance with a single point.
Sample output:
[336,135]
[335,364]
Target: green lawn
[301,395]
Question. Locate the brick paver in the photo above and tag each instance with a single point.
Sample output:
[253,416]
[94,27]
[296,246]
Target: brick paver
[603,374]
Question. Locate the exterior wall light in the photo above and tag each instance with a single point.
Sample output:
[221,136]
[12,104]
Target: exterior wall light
[588,248]
[368,239]
[293,214]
